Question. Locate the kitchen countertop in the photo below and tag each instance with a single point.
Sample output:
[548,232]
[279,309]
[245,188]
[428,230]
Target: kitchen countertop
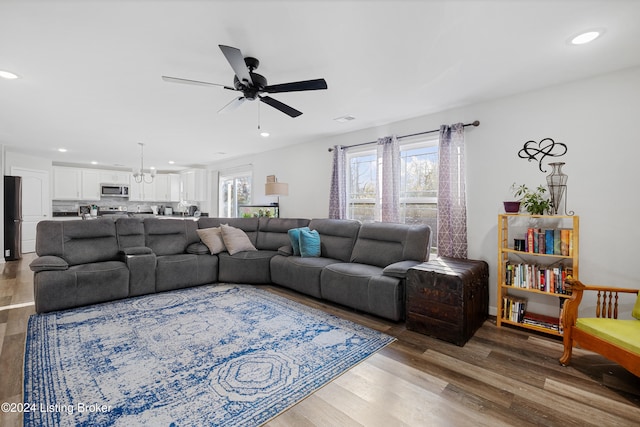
[71,215]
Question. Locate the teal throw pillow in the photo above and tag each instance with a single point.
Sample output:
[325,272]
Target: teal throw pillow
[309,243]
[294,237]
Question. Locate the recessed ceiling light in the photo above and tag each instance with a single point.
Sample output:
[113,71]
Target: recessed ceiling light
[264,134]
[62,150]
[586,37]
[8,75]
[171,162]
[94,162]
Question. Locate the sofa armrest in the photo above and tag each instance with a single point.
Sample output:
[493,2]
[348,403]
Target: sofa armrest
[136,250]
[399,269]
[286,250]
[48,263]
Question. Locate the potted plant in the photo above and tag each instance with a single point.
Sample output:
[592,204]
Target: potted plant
[518,192]
[535,201]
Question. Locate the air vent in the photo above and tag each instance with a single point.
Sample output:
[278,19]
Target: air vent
[344,119]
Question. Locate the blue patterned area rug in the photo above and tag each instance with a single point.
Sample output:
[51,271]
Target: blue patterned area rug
[215,355]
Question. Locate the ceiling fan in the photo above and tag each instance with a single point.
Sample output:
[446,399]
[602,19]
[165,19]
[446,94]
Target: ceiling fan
[253,85]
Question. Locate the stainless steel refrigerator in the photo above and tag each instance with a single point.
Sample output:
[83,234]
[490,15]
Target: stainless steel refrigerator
[12,218]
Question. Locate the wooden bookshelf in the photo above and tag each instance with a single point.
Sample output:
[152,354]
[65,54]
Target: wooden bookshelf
[538,273]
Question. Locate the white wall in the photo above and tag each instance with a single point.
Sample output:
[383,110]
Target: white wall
[595,118]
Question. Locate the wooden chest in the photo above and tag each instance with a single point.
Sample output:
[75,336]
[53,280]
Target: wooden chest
[448,298]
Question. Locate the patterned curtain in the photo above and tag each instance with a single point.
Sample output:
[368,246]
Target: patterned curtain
[338,190]
[388,188]
[452,205]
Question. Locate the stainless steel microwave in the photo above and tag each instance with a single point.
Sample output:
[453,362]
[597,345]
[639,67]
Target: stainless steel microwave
[114,190]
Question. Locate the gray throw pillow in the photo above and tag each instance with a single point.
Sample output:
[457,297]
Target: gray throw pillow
[212,237]
[236,240]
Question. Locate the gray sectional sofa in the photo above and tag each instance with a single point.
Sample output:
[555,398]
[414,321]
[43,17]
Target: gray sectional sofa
[362,266]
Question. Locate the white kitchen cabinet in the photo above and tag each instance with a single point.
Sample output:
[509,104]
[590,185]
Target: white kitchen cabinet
[142,191]
[114,177]
[67,183]
[90,184]
[167,187]
[193,185]
[161,182]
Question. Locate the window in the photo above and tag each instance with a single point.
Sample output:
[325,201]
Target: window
[418,184]
[235,190]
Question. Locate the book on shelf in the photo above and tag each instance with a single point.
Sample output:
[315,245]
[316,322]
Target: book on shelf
[550,242]
[513,308]
[542,278]
[541,321]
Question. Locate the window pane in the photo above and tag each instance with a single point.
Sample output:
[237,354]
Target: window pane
[419,176]
[362,187]
[418,185]
[234,190]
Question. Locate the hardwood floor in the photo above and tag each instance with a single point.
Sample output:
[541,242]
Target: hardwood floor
[501,377]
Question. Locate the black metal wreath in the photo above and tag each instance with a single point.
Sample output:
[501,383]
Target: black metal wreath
[545,148]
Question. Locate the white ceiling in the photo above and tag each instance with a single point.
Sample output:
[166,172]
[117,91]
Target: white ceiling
[90,70]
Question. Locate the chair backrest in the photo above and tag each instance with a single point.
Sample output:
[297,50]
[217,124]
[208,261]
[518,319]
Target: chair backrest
[273,232]
[382,244]
[169,236]
[78,241]
[337,237]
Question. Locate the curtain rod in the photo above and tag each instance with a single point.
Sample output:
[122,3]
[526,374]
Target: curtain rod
[475,123]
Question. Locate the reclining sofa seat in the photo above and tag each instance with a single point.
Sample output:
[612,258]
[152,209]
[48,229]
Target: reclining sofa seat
[373,280]
[179,263]
[267,235]
[337,237]
[78,264]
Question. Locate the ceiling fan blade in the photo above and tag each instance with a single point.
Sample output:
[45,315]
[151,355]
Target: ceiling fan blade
[316,84]
[235,103]
[236,60]
[193,82]
[290,111]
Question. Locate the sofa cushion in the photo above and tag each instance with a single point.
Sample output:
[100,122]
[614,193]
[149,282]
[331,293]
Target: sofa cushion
[623,333]
[78,242]
[382,244]
[48,262]
[251,267]
[294,238]
[309,243]
[299,274]
[80,285]
[169,236]
[337,237]
[365,288]
[273,232]
[212,237]
[235,240]
[130,232]
[185,270]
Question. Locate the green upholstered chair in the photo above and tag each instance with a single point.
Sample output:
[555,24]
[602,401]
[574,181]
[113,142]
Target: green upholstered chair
[617,340]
